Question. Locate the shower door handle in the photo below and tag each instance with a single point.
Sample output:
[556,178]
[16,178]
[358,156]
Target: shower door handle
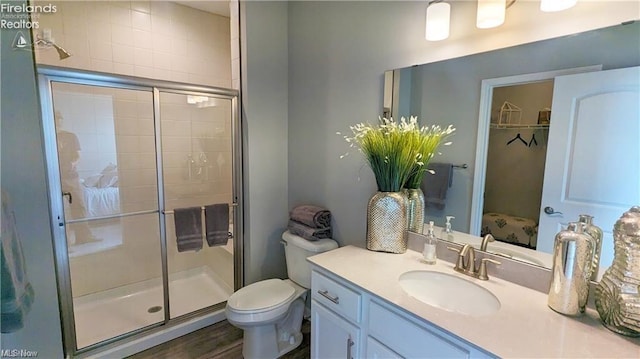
[68,194]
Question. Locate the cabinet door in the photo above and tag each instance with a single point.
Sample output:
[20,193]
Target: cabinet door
[331,335]
[377,350]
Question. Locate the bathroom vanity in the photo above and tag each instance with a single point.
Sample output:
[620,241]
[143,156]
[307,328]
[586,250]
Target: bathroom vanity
[359,309]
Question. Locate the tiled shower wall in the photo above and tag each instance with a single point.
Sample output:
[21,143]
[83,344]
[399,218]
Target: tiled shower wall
[152,39]
[158,40]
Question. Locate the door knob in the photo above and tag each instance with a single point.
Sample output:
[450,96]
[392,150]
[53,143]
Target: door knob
[550,211]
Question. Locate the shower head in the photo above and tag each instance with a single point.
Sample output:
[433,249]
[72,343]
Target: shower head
[61,52]
[42,43]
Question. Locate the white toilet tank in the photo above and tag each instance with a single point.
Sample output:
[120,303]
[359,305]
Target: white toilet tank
[296,251]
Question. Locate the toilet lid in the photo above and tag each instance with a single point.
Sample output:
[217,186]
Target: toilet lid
[261,295]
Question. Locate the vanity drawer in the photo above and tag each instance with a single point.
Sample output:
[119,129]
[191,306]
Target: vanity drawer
[336,296]
[410,340]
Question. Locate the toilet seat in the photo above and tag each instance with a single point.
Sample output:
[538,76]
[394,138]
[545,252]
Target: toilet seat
[261,302]
[261,296]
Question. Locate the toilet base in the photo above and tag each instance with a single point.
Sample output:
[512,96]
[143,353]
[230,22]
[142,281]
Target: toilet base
[277,339]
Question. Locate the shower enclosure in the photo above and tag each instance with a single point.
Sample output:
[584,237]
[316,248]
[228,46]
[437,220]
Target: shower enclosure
[122,154]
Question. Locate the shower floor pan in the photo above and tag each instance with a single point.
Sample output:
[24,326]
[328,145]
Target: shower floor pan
[104,315]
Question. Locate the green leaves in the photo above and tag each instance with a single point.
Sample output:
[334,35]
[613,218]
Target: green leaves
[398,153]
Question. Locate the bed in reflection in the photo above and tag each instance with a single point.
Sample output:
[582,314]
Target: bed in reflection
[510,229]
[101,193]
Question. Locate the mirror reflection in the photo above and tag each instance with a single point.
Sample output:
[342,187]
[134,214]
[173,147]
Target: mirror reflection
[500,103]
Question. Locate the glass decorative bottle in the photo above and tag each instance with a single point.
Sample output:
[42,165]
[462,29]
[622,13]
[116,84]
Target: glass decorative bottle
[595,232]
[571,270]
[617,296]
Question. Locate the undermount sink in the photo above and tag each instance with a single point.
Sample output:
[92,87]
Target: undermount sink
[449,292]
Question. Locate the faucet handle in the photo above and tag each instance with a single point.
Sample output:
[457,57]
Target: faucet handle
[460,262]
[482,273]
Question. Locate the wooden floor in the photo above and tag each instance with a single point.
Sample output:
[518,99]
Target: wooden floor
[219,341]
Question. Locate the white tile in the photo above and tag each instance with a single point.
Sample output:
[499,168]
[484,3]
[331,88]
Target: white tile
[123,54]
[162,74]
[145,110]
[141,6]
[142,57]
[144,71]
[77,44]
[120,15]
[145,126]
[161,8]
[147,144]
[161,43]
[121,34]
[99,31]
[162,60]
[127,144]
[141,20]
[101,65]
[160,25]
[142,39]
[179,76]
[123,69]
[100,51]
[126,109]
[98,11]
[176,128]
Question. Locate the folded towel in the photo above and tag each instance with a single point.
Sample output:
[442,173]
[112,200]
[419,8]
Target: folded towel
[188,223]
[309,233]
[435,186]
[312,216]
[17,293]
[217,223]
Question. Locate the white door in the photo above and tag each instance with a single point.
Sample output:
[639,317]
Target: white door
[593,154]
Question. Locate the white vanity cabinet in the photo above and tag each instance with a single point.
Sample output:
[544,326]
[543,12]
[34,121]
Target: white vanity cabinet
[350,323]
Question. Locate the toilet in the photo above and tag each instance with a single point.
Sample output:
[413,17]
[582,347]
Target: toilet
[271,311]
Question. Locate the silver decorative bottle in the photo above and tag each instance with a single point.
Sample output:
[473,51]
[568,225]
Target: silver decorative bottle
[617,296]
[595,232]
[572,264]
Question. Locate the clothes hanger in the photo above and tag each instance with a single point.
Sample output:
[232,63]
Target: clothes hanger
[533,140]
[518,137]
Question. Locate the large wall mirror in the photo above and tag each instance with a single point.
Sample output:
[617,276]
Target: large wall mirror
[500,103]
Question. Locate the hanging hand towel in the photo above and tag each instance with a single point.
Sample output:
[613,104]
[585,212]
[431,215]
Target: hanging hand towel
[217,222]
[435,186]
[188,223]
[312,216]
[17,292]
[308,233]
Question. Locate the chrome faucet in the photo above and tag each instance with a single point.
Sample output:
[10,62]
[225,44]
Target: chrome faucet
[485,241]
[468,266]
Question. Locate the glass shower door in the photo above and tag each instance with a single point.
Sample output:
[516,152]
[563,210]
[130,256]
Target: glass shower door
[106,156]
[197,139]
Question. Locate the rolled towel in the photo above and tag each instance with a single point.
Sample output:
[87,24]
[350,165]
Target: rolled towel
[308,233]
[217,224]
[188,223]
[312,216]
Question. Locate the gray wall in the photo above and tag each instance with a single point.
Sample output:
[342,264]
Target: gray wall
[23,178]
[264,115]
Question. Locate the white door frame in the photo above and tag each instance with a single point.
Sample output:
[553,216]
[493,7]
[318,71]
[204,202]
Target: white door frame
[484,122]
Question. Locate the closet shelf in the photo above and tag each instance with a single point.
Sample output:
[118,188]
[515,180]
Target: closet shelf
[519,126]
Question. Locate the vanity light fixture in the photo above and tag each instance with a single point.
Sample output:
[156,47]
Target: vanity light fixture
[437,23]
[490,13]
[556,5]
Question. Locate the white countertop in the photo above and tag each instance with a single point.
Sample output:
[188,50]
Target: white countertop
[523,327]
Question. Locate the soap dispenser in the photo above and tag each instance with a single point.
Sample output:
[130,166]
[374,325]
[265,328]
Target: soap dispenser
[429,251]
[447,232]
